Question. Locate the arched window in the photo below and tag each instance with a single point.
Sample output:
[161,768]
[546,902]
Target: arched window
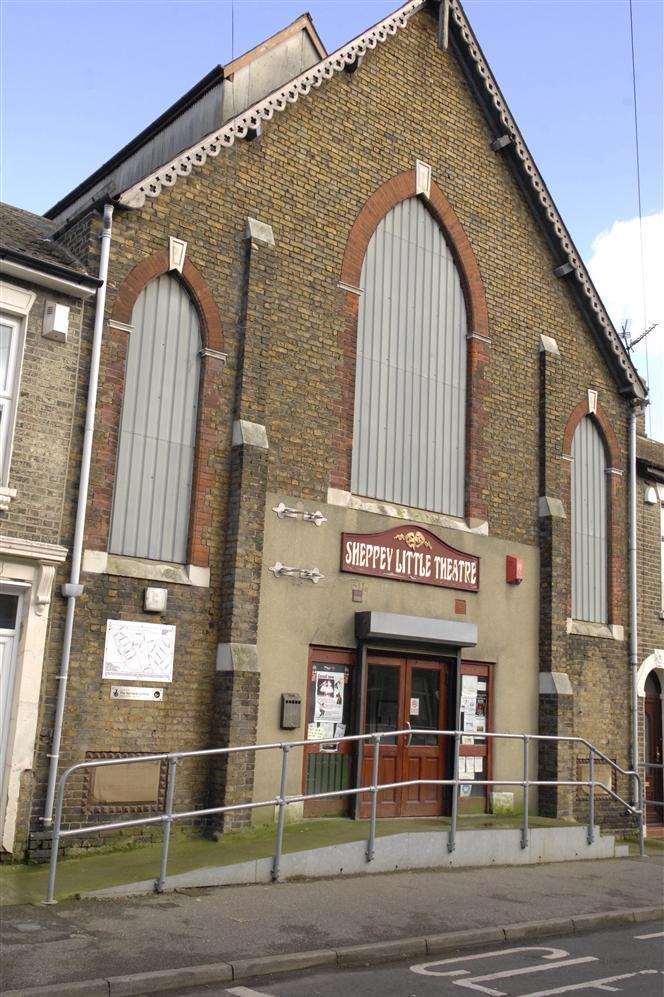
[410,380]
[589,524]
[157,432]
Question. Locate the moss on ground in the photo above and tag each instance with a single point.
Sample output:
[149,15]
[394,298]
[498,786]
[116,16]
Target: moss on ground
[123,862]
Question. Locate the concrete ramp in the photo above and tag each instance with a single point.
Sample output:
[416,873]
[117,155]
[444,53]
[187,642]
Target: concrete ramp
[419,850]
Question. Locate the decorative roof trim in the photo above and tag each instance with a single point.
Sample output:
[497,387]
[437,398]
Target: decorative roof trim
[248,121]
[539,187]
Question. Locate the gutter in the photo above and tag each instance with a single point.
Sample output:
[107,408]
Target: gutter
[74,589]
[650,471]
[59,278]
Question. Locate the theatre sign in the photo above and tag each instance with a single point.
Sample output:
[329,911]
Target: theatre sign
[410,554]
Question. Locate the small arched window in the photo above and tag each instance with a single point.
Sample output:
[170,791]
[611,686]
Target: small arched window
[410,380]
[589,524]
[158,428]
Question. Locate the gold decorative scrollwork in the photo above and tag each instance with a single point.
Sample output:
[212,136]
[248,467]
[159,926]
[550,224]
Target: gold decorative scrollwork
[413,539]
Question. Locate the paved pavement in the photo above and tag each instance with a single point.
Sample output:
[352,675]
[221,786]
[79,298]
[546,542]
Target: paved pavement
[627,961]
[92,939]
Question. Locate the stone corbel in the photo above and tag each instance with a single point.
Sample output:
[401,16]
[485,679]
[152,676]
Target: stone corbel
[43,588]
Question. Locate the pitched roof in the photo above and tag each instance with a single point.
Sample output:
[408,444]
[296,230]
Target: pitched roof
[248,120]
[206,106]
[486,89]
[650,456]
[28,236]
[566,258]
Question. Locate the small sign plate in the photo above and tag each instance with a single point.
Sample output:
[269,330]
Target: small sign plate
[137,692]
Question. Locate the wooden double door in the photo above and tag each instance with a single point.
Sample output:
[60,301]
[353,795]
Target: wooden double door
[405,694]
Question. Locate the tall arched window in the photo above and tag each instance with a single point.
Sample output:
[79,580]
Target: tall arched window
[589,524]
[157,433]
[410,380]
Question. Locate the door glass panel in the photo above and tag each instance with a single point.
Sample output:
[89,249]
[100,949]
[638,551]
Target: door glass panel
[382,711]
[649,740]
[8,607]
[424,703]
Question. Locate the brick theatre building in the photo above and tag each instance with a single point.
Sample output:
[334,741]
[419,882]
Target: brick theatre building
[361,443]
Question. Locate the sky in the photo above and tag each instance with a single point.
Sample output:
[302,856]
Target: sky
[80,78]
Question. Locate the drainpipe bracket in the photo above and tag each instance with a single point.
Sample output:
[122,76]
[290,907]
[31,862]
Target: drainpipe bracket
[71,591]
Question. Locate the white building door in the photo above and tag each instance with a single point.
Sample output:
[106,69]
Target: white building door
[9,637]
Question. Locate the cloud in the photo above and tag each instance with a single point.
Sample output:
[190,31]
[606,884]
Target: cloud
[615,267]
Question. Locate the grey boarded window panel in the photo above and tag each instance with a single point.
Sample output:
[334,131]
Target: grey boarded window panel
[589,524]
[158,428]
[410,383]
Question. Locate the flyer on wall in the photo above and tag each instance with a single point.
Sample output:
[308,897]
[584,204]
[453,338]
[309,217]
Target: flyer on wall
[329,701]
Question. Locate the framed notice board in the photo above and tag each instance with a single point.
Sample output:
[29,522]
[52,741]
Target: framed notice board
[475,752]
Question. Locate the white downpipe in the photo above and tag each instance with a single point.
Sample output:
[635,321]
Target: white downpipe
[633,605]
[74,589]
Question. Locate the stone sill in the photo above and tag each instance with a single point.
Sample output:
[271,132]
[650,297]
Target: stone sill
[605,631]
[100,562]
[337,496]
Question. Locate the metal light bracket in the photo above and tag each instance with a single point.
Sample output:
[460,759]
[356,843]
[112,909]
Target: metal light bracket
[308,574]
[284,511]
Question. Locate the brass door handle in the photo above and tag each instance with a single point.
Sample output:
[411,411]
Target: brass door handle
[409,736]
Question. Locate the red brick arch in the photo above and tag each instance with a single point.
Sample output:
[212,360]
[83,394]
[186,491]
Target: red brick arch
[606,432]
[114,359]
[386,197]
[391,193]
[156,265]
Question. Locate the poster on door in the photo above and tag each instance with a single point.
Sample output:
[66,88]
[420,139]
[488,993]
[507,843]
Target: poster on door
[329,698]
[468,701]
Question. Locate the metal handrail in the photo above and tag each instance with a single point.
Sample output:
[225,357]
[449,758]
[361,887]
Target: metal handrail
[168,815]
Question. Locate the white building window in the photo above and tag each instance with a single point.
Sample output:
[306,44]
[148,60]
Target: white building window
[661,548]
[11,347]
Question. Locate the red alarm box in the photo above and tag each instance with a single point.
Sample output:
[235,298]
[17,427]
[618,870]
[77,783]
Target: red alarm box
[513,570]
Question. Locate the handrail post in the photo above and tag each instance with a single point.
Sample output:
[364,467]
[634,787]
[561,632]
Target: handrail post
[591,799]
[55,843]
[642,814]
[279,839]
[168,809]
[451,839]
[524,829]
[371,843]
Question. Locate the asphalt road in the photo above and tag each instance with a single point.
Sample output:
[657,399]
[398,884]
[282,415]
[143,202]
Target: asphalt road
[87,939]
[627,961]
